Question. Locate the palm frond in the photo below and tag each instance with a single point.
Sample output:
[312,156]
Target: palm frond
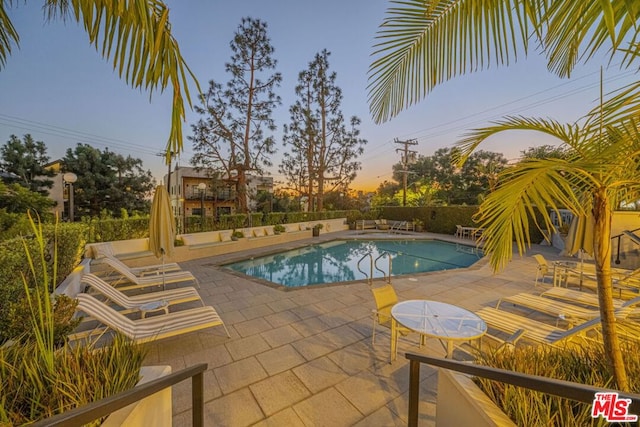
[136,36]
[600,23]
[531,188]
[422,44]
[568,134]
[624,105]
[8,35]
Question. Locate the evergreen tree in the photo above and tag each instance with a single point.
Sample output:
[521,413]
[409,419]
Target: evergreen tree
[230,136]
[26,159]
[300,138]
[319,134]
[107,181]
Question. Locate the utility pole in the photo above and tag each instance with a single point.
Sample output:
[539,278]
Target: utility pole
[407,157]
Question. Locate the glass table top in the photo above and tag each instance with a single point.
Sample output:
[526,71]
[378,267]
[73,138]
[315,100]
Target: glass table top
[438,319]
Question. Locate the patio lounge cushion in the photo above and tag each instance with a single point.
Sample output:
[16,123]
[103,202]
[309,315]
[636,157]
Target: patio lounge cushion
[172,296]
[150,328]
[535,331]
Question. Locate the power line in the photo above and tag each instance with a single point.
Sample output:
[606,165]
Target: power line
[75,135]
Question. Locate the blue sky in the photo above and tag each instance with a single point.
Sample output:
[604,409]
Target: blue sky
[58,88]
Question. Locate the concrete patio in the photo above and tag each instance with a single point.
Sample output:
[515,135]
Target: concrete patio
[304,357]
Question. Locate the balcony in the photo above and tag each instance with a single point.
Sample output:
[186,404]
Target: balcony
[220,195]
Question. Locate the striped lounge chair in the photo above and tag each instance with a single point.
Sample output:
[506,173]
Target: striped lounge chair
[531,330]
[144,302]
[150,328]
[132,281]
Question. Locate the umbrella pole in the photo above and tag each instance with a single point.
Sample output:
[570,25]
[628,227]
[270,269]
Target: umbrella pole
[163,278]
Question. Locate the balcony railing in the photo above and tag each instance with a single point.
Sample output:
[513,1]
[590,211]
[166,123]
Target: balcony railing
[566,389]
[87,413]
[210,195]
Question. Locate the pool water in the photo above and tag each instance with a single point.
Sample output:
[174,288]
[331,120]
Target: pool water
[337,261]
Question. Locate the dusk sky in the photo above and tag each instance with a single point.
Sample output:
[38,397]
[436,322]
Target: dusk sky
[60,90]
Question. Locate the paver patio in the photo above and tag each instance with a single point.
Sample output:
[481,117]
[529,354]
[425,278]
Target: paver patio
[304,357]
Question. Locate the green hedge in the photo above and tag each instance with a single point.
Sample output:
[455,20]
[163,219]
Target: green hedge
[108,230]
[443,219]
[14,264]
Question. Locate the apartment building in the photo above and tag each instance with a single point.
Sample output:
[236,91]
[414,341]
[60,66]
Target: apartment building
[196,192]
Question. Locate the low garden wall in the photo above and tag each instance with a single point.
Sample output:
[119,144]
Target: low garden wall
[212,243]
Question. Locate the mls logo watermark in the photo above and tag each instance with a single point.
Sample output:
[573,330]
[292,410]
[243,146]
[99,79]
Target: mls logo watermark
[612,408]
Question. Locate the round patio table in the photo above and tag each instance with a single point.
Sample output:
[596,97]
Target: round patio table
[446,322]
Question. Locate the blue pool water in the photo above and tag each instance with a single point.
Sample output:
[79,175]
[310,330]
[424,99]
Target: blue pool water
[337,261]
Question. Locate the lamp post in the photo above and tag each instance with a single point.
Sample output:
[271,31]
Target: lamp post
[202,186]
[70,178]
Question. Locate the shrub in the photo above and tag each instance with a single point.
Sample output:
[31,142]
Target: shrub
[110,229]
[39,379]
[279,228]
[20,328]
[68,240]
[82,375]
[273,218]
[584,365]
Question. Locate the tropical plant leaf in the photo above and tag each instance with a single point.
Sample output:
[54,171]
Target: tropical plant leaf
[8,35]
[422,44]
[599,23]
[536,184]
[136,37]
[567,134]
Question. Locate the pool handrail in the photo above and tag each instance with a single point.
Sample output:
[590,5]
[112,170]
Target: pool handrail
[375,264]
[369,276]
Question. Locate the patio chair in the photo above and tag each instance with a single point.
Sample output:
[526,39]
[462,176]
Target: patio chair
[540,333]
[148,302]
[161,278]
[461,232]
[146,270]
[385,298]
[562,310]
[575,296]
[150,328]
[543,269]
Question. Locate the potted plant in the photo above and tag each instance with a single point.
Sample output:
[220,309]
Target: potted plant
[278,229]
[418,225]
[316,230]
[237,234]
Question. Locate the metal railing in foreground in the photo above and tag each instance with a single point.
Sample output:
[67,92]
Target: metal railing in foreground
[92,411]
[566,389]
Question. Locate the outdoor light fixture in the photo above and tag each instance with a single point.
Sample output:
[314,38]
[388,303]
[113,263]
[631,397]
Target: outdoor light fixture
[70,178]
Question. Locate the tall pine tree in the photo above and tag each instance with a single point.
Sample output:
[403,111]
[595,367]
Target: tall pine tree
[319,133]
[230,136]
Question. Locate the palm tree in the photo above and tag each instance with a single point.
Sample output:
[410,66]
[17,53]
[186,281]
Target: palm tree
[603,173]
[426,43]
[136,36]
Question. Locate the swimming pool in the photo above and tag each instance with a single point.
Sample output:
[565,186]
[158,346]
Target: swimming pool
[337,261]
